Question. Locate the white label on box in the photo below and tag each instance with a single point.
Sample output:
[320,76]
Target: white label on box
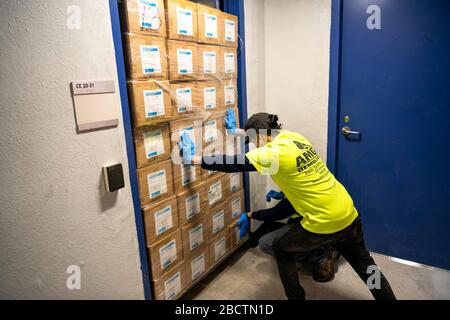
[218,221]
[229,62]
[184,99]
[236,207]
[192,205]
[219,249]
[210,25]
[211,131]
[230,33]
[148,14]
[209,62]
[239,144]
[153,143]
[163,220]
[196,236]
[157,183]
[237,234]
[215,192]
[150,59]
[235,181]
[209,95]
[187,174]
[184,58]
[229,95]
[230,150]
[154,103]
[198,266]
[172,286]
[185,23]
[168,254]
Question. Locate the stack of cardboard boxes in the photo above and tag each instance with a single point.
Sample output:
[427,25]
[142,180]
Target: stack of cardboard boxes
[182,71]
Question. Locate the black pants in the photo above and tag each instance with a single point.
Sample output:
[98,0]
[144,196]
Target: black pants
[298,242]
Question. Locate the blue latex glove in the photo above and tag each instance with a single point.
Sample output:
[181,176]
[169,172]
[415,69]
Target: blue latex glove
[243,224]
[272,194]
[230,120]
[187,147]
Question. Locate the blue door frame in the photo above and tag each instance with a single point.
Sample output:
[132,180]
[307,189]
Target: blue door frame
[333,94]
[235,7]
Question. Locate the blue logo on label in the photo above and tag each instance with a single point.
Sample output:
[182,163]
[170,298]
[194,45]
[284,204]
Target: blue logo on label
[156,193]
[145,49]
[153,93]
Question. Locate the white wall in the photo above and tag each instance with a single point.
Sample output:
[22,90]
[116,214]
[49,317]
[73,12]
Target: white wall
[294,65]
[256,81]
[297,66]
[53,212]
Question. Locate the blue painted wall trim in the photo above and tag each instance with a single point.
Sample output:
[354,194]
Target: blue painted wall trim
[236,7]
[333,93]
[117,37]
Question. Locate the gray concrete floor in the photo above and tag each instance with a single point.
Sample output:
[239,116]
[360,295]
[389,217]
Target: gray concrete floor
[250,274]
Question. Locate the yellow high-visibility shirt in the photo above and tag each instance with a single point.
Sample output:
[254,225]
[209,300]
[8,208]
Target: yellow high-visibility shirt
[314,192]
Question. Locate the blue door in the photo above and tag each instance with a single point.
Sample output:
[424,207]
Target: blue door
[393,148]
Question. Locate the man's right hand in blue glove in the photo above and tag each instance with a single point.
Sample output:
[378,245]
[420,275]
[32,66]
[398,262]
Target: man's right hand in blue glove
[272,194]
[243,224]
[230,121]
[187,148]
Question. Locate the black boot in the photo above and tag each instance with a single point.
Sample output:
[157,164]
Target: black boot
[324,269]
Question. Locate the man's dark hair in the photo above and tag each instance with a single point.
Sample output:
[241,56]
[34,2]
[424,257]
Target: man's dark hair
[263,120]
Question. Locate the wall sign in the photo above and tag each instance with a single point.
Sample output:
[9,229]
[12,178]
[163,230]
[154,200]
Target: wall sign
[96,104]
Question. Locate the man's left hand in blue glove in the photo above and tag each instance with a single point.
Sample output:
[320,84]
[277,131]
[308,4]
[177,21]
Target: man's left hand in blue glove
[244,224]
[230,121]
[187,148]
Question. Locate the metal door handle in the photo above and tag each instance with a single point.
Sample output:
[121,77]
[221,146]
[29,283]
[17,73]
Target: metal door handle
[347,131]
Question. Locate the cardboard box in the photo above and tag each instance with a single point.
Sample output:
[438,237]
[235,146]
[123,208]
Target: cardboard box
[229,93]
[183,60]
[155,182]
[213,129]
[218,218]
[152,144]
[228,25]
[208,24]
[160,219]
[229,60]
[192,205]
[212,150]
[146,57]
[150,102]
[197,265]
[210,96]
[185,98]
[172,284]
[146,17]
[210,62]
[219,247]
[216,190]
[193,127]
[236,206]
[181,20]
[195,235]
[165,253]
[185,176]
[234,236]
